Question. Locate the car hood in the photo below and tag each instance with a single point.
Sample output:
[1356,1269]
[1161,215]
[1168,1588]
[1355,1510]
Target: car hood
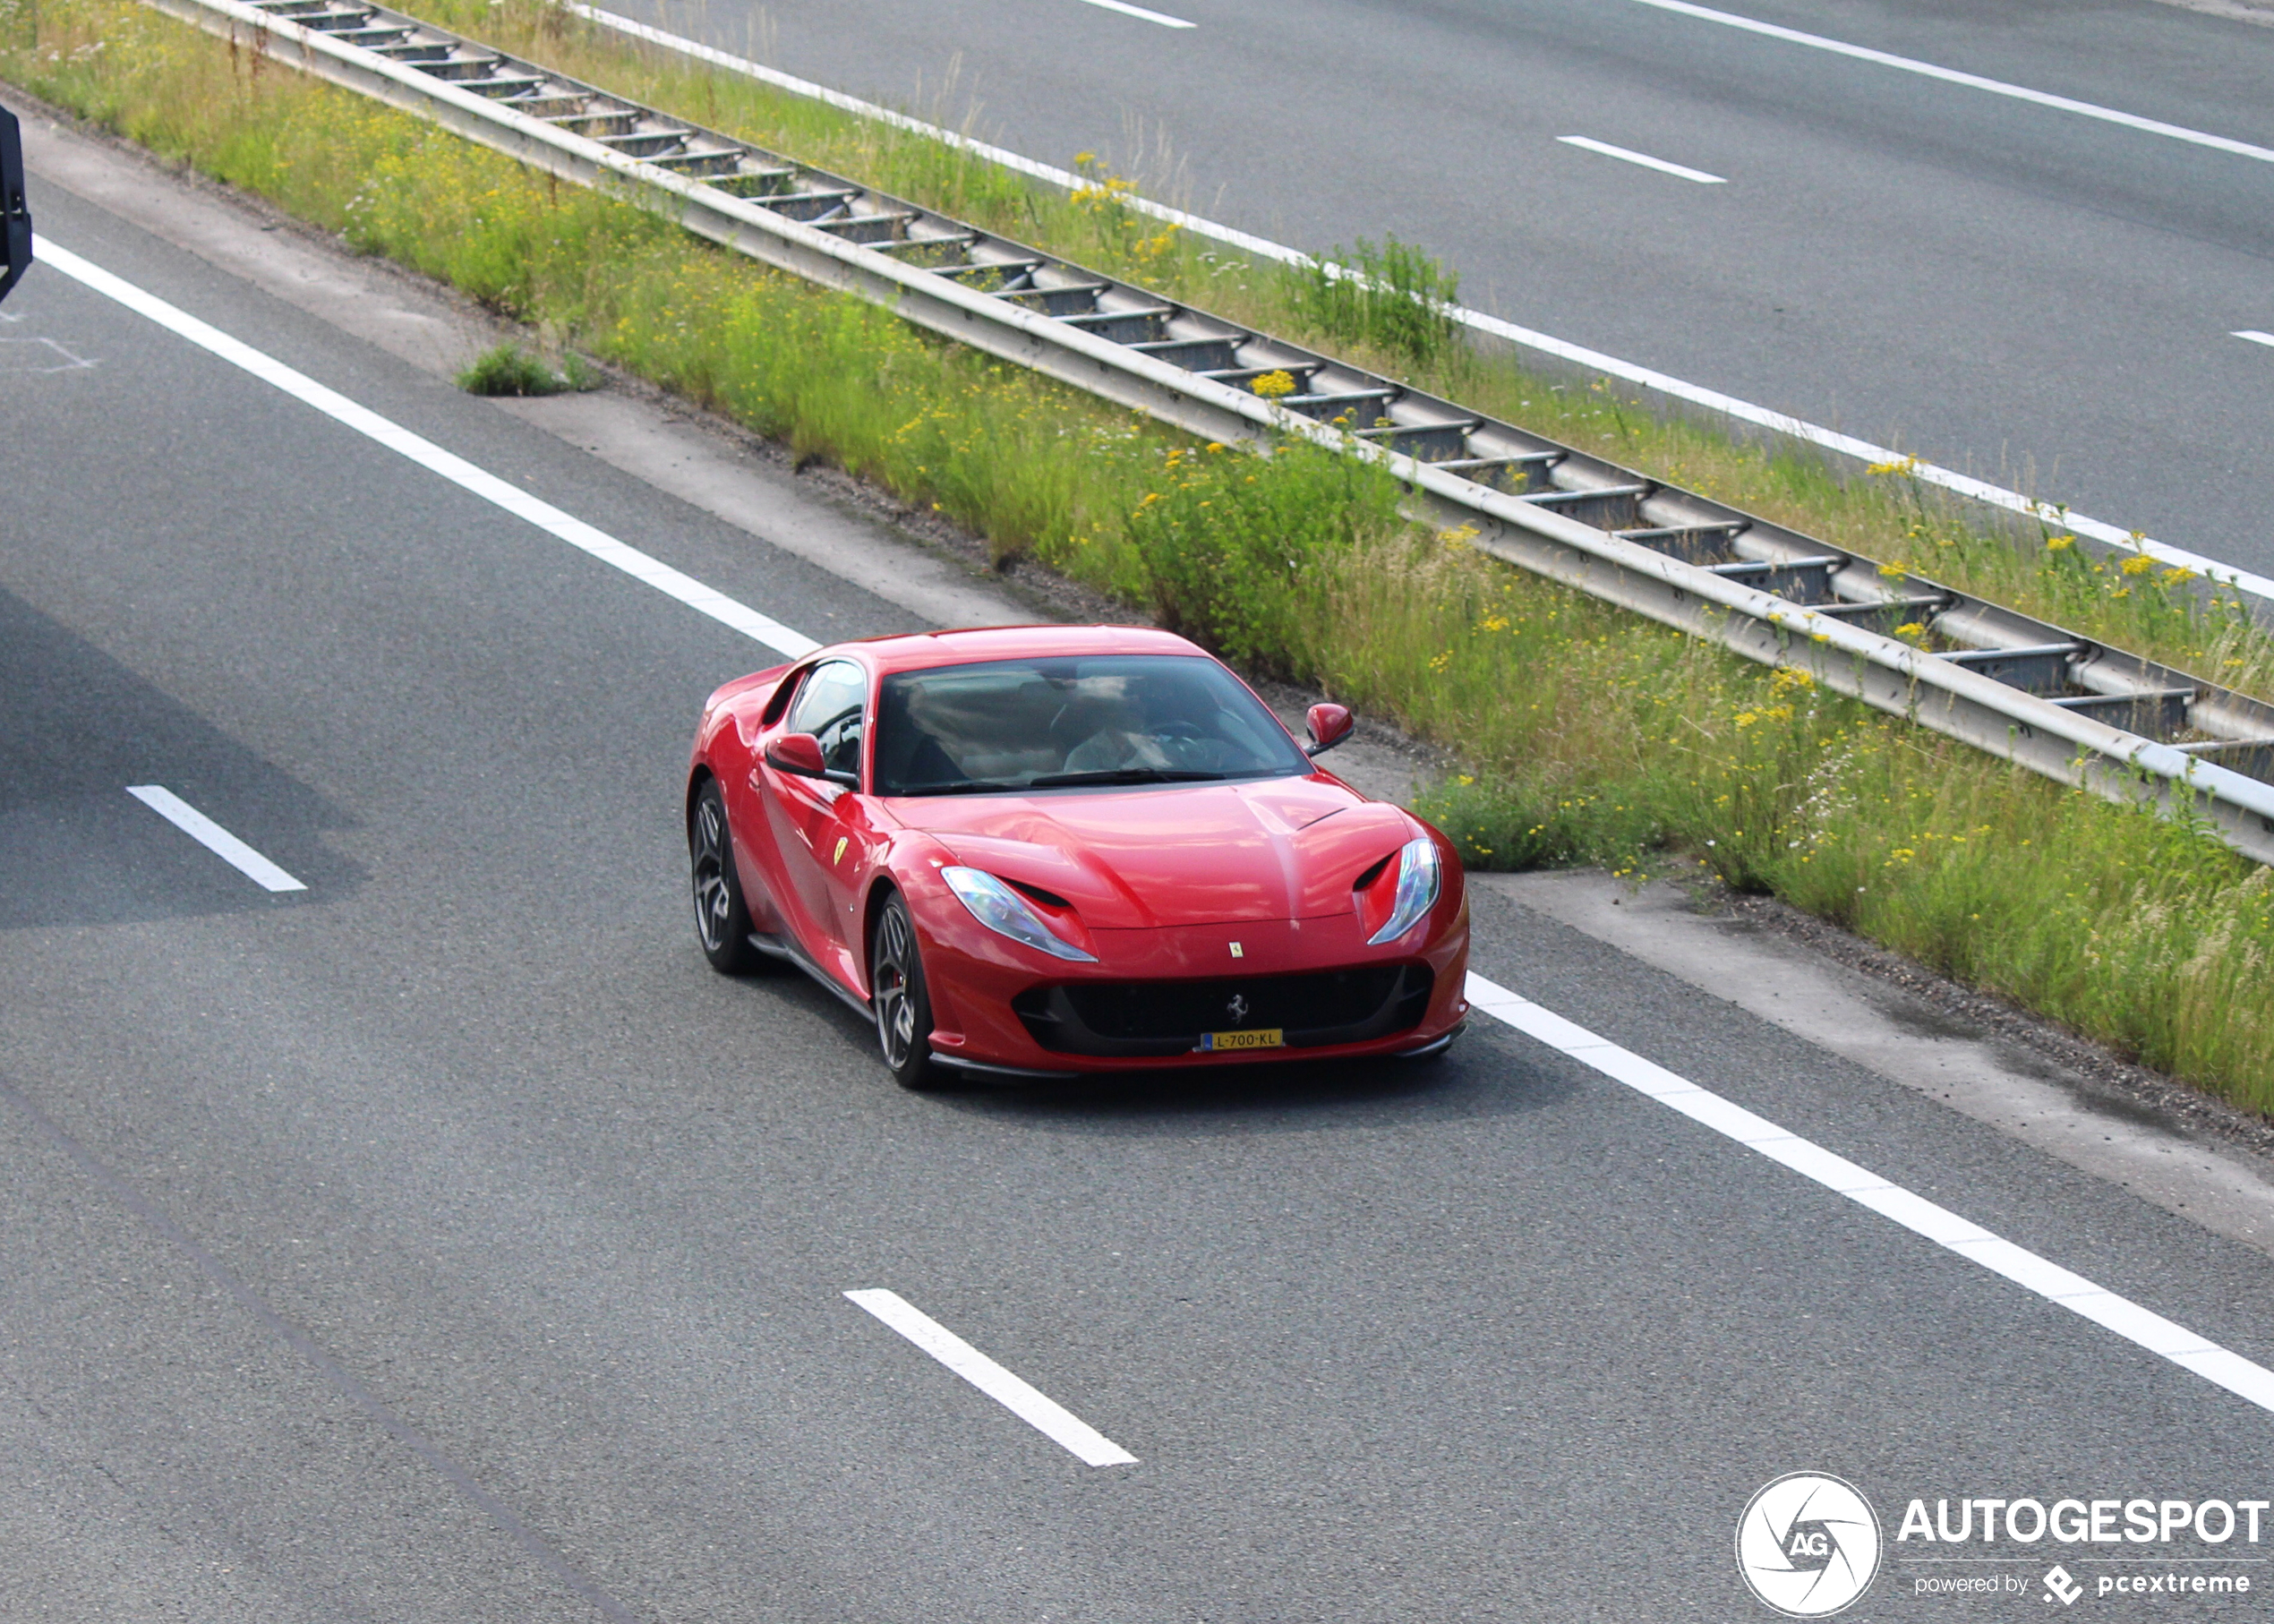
[1156,856]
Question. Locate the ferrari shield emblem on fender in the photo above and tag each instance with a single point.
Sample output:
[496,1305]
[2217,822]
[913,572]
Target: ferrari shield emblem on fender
[838,856]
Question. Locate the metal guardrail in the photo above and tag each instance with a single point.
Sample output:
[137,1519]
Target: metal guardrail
[1558,353]
[2063,705]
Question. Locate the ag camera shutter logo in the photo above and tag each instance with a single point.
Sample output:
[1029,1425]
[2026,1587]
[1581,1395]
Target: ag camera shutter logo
[1809,1544]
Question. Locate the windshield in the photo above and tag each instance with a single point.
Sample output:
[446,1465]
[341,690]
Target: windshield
[1061,723]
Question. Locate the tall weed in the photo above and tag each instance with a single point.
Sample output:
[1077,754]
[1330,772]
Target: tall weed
[1389,297]
[1234,544]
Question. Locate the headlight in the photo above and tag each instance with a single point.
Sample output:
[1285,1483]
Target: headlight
[1005,913]
[1418,882]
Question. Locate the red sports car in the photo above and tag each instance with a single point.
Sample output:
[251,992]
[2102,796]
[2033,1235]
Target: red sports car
[1039,851]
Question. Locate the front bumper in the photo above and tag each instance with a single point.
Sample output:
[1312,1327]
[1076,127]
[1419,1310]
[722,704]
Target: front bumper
[1153,994]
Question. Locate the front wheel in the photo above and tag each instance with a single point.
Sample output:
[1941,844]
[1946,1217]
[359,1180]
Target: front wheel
[903,1007]
[722,918]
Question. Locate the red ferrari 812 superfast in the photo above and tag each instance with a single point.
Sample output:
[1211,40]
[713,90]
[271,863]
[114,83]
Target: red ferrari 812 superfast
[1040,850]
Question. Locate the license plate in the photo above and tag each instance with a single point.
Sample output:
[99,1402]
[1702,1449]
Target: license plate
[1265,1037]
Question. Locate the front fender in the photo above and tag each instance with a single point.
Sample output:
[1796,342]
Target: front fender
[745,696]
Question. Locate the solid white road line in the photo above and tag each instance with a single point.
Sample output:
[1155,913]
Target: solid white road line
[213,837]
[2254,335]
[488,486]
[1973,82]
[1644,159]
[1138,10]
[1579,355]
[1044,1414]
[2152,1331]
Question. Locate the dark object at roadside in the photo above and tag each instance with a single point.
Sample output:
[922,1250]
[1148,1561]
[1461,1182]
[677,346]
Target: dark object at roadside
[15,214]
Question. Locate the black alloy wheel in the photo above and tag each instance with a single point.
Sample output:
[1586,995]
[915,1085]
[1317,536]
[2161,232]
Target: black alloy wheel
[721,921]
[904,1008]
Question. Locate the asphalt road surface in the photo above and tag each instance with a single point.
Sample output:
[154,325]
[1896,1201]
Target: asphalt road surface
[2018,291]
[445,1242]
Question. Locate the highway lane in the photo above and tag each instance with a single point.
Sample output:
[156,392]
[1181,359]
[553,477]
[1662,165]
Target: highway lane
[2007,289]
[1494,1338]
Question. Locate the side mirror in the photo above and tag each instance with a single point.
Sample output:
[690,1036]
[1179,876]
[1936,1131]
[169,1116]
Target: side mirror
[799,753]
[1330,726]
[15,216]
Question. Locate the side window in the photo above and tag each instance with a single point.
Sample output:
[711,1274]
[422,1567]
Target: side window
[830,708]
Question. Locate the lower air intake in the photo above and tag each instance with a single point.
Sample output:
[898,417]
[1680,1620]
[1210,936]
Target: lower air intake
[1156,1019]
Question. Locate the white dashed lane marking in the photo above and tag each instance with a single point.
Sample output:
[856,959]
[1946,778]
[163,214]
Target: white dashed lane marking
[1044,1413]
[213,837]
[1127,10]
[1627,155]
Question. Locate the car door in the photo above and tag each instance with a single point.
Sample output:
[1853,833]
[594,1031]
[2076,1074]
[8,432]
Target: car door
[820,829]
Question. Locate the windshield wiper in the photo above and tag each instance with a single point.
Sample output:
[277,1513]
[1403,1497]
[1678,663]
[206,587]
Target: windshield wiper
[1060,780]
[1127,775]
[961,786]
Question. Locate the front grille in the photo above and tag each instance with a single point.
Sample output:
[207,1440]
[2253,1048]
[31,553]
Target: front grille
[1135,1019]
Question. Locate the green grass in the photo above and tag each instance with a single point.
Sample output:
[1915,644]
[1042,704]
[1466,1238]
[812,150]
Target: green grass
[510,370]
[1589,735]
[1597,739]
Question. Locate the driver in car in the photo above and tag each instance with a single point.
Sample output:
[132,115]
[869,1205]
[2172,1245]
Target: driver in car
[1137,729]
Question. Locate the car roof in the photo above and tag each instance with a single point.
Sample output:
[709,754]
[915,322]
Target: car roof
[924,650]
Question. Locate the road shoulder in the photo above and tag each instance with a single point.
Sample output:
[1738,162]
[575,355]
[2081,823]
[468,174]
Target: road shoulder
[2066,1098]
